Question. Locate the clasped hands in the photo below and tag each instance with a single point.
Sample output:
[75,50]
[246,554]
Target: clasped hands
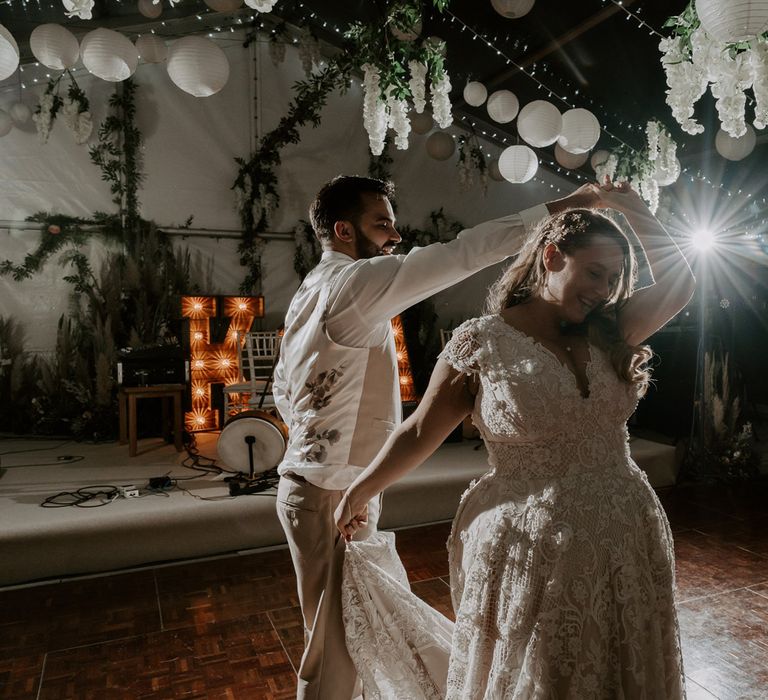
[350,517]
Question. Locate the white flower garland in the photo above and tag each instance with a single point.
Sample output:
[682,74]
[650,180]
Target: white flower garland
[309,52]
[607,169]
[276,51]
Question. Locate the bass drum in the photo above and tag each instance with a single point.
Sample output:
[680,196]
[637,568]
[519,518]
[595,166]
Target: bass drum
[267,434]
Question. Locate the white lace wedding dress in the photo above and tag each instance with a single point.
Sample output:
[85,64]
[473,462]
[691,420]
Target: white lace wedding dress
[561,558]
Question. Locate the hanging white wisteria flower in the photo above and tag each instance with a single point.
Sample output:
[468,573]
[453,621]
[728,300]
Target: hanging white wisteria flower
[693,60]
[79,8]
[758,63]
[261,5]
[375,117]
[396,69]
[45,115]
[276,50]
[418,84]
[441,104]
[607,168]
[662,152]
[397,119]
[473,168]
[79,122]
[309,51]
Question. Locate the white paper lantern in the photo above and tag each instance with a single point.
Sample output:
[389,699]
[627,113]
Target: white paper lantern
[581,131]
[494,172]
[502,106]
[6,123]
[735,148]
[422,122]
[20,113]
[440,145]
[54,46]
[569,160]
[733,20]
[539,123]
[150,9]
[151,48]
[518,164]
[224,5]
[198,66]
[475,93]
[108,55]
[512,8]
[9,54]
[599,158]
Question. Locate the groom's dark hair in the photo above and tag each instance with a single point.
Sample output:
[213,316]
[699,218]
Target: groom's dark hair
[340,200]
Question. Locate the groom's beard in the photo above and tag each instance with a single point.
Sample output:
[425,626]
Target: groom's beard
[366,249]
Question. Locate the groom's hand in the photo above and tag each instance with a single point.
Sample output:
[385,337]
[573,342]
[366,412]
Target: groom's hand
[350,519]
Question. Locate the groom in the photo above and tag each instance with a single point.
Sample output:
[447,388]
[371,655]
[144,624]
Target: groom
[336,384]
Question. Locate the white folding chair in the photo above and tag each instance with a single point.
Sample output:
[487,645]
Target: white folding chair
[258,353]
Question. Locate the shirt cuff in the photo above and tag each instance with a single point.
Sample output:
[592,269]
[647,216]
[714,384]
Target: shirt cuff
[532,216]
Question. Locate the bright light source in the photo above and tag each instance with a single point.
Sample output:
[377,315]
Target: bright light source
[703,239]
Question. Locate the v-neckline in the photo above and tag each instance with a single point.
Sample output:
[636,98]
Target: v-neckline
[543,348]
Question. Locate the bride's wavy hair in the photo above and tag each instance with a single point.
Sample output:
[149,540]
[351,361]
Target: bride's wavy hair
[526,277]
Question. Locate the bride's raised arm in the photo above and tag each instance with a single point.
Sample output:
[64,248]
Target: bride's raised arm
[650,308]
[447,401]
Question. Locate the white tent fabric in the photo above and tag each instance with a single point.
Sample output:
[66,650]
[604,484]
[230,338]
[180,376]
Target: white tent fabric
[189,149]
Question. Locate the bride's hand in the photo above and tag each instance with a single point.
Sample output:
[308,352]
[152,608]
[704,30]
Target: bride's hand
[350,517]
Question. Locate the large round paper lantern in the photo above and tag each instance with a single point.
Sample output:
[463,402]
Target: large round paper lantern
[494,172]
[518,164]
[422,122]
[150,9]
[440,145]
[733,20]
[54,46]
[512,8]
[198,66]
[475,93]
[502,106]
[539,123]
[20,113]
[569,160]
[109,55]
[224,5]
[6,123]
[735,148]
[599,158]
[9,54]
[151,48]
[581,131]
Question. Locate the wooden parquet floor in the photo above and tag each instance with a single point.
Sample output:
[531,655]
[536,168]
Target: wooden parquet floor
[230,628]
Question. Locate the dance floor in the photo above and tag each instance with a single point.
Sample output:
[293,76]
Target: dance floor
[230,628]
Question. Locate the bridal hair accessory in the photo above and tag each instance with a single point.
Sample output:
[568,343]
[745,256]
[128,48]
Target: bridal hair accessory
[567,223]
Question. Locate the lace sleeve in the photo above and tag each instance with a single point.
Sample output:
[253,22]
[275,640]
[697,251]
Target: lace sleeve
[463,350]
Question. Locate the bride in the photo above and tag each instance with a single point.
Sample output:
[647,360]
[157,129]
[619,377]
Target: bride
[561,557]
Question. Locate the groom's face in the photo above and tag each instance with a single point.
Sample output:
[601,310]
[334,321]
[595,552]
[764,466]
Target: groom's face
[375,232]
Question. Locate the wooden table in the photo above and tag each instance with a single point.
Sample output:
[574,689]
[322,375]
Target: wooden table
[128,397]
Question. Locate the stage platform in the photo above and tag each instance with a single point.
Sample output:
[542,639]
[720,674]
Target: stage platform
[198,518]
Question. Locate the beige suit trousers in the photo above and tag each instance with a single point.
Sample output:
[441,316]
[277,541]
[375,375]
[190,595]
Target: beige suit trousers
[306,514]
